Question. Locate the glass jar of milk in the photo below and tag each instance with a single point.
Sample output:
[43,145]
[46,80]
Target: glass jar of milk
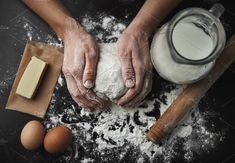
[184,50]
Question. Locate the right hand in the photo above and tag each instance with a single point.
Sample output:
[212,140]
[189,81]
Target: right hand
[79,66]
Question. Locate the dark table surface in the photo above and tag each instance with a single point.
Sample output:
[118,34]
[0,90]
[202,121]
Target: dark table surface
[220,99]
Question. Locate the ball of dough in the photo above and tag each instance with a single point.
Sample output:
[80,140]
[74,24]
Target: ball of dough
[109,84]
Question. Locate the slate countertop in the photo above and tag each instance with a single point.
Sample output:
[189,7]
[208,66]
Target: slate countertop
[13,38]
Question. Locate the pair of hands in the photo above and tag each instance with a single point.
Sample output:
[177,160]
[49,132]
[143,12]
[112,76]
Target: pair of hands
[81,58]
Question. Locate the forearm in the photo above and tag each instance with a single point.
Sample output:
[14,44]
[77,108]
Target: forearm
[152,13]
[53,12]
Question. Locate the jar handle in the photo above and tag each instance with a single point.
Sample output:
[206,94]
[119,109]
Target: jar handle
[217,10]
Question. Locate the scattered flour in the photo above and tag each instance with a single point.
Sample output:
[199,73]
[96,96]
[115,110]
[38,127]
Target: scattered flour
[124,130]
[104,27]
[184,131]
[2,27]
[35,34]
[6,79]
[117,134]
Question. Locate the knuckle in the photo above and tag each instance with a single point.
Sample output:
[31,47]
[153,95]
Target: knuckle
[74,93]
[89,73]
[133,38]
[76,71]
[134,91]
[85,47]
[83,94]
[84,38]
[91,54]
[81,104]
[124,55]
[139,66]
[89,70]
[95,106]
[89,37]
[148,66]
[65,71]
[129,71]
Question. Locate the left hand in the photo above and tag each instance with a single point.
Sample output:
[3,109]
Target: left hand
[134,55]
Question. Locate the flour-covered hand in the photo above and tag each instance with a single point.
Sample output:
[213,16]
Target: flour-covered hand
[79,66]
[133,52]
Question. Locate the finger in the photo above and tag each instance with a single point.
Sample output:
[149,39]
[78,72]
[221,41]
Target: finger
[73,76]
[147,86]
[75,93]
[127,69]
[89,75]
[90,95]
[146,63]
[90,69]
[80,103]
[85,93]
[132,92]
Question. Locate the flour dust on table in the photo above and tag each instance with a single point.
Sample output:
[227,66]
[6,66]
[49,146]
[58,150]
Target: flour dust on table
[6,80]
[117,134]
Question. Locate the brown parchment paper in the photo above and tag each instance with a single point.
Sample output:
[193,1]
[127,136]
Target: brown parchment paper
[38,105]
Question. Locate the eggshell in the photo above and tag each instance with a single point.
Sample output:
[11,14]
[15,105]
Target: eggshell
[32,135]
[58,140]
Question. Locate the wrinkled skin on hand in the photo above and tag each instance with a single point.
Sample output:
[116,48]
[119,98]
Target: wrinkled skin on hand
[79,67]
[133,52]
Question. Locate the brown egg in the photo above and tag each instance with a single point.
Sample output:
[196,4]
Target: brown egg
[58,140]
[32,135]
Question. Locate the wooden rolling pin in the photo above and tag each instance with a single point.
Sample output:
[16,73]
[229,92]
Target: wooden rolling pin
[190,96]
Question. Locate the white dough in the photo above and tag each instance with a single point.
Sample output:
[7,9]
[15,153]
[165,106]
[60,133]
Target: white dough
[109,83]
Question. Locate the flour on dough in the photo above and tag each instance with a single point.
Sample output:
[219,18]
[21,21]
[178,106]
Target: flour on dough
[109,83]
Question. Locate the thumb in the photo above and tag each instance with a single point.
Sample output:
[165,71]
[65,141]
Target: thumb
[89,73]
[127,71]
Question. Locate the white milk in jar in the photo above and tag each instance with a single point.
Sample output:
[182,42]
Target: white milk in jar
[191,41]
[184,50]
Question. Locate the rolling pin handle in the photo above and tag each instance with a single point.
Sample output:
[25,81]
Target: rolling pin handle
[156,134]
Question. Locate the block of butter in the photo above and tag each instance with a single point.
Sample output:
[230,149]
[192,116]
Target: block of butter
[31,78]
